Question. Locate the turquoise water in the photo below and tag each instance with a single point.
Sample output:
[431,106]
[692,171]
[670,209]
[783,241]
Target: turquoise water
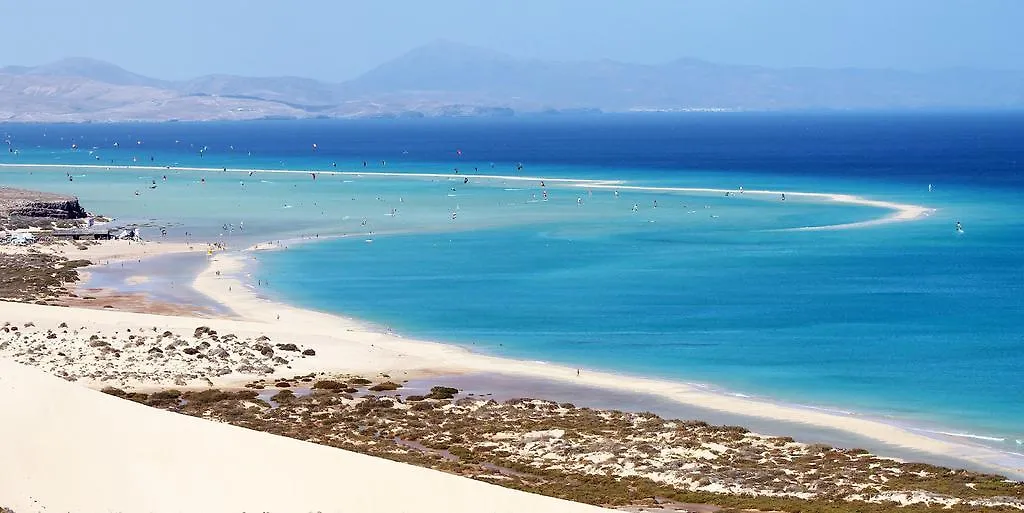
[909,321]
[897,319]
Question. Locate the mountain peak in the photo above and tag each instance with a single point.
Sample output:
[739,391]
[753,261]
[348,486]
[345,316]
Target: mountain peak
[93,69]
[452,50]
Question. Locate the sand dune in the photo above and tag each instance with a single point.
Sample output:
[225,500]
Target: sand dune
[68,448]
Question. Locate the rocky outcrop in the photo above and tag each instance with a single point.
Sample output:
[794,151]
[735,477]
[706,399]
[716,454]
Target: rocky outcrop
[25,203]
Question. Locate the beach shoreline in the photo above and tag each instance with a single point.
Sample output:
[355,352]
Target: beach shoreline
[224,281]
[219,281]
[253,307]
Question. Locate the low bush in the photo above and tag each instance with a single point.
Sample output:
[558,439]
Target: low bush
[283,396]
[164,395]
[204,330]
[387,385]
[442,393]
[329,384]
[214,396]
[114,391]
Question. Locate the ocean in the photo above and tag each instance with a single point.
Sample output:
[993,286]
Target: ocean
[911,322]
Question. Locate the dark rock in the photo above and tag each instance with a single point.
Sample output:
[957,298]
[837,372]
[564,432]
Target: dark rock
[24,203]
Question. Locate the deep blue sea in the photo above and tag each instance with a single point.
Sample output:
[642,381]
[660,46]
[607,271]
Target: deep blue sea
[910,321]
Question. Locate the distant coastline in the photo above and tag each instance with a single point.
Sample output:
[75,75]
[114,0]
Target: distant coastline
[448,79]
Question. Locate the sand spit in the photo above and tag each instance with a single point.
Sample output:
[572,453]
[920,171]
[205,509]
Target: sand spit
[67,448]
[899,211]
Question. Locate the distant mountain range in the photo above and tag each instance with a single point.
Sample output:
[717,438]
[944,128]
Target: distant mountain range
[450,79]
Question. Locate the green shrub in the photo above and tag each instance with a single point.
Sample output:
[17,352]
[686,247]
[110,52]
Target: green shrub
[329,384]
[116,392]
[442,393]
[387,385]
[215,396]
[283,396]
[164,395]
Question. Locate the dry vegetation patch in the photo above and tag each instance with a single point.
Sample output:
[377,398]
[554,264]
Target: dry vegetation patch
[610,458]
[37,277]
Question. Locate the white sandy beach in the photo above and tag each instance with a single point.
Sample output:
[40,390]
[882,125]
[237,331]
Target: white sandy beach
[110,251]
[69,448]
[84,451]
[343,346]
[366,349]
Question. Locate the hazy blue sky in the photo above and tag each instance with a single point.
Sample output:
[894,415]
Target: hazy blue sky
[339,39]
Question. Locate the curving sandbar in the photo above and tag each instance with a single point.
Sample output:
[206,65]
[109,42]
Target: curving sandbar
[899,211]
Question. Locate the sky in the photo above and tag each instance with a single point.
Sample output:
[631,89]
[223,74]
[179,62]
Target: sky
[338,39]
